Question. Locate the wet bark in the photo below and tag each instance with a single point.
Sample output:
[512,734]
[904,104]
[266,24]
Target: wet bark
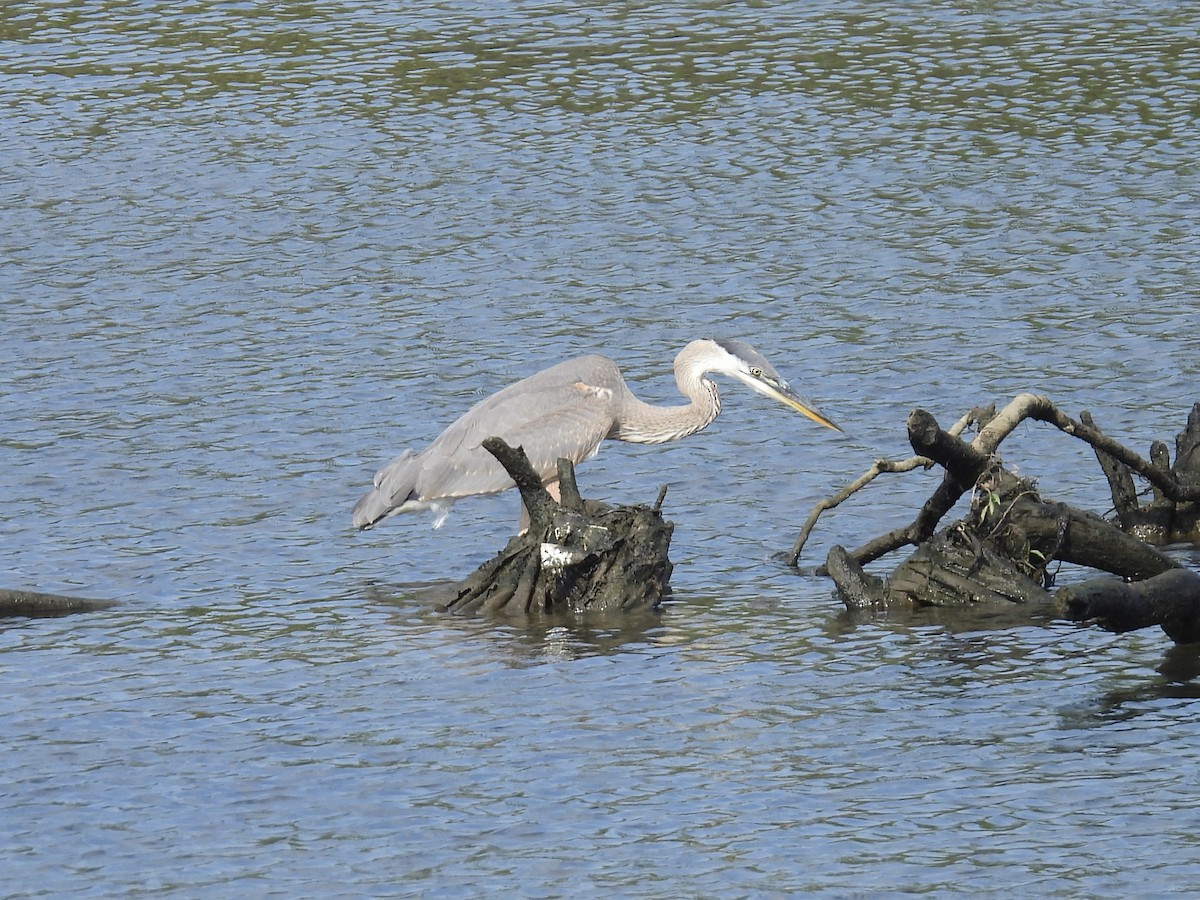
[15,602]
[1170,600]
[577,555]
[1163,520]
[1006,547]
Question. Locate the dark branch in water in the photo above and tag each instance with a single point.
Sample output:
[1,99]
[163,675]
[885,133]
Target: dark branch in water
[34,603]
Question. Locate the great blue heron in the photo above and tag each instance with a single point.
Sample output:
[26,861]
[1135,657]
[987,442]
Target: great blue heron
[565,411]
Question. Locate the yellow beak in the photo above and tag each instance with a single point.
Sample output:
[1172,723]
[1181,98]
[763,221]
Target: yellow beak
[789,398]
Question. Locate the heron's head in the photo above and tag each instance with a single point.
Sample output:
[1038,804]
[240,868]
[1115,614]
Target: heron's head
[741,361]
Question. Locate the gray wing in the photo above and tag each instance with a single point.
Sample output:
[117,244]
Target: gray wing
[563,411]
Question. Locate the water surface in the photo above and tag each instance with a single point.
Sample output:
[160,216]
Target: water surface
[248,253]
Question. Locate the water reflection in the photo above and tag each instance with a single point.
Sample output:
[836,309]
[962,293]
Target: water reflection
[1130,698]
[525,639]
[979,617]
[1012,643]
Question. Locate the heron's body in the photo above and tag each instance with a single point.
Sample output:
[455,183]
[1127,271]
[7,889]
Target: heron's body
[563,411]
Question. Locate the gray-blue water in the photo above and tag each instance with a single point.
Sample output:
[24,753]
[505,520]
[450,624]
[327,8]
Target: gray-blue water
[248,252]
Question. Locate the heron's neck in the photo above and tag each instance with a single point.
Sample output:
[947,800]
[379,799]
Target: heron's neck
[645,423]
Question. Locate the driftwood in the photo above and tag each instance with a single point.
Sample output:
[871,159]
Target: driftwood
[1168,600]
[1007,546]
[35,603]
[577,555]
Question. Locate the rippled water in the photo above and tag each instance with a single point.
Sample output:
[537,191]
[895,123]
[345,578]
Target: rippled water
[248,252]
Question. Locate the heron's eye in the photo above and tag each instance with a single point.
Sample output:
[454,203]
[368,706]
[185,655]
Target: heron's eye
[756,371]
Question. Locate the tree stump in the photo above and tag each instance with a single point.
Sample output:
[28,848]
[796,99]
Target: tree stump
[577,555]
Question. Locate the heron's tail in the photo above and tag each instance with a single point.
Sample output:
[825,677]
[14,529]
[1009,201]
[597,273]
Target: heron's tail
[394,485]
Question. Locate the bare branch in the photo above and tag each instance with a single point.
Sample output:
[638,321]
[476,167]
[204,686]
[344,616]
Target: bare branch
[964,462]
[879,467]
[1154,471]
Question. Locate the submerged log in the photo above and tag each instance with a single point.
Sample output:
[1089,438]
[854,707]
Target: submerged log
[1170,600]
[16,602]
[577,555]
